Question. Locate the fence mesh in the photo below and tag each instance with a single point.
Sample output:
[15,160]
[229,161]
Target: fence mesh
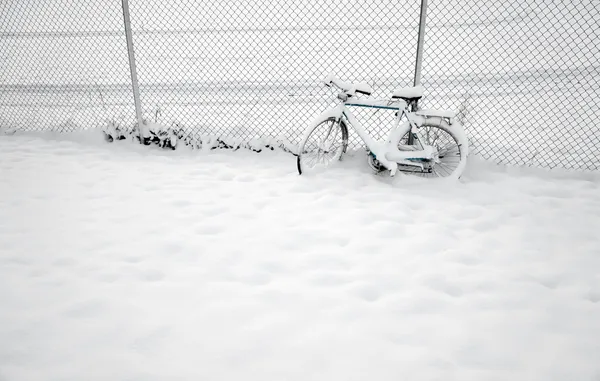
[522,74]
[253,69]
[63,65]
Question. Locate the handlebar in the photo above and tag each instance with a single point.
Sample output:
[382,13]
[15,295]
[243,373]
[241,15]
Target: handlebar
[347,87]
[330,80]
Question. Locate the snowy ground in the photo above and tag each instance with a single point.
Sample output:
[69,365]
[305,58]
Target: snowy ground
[121,262]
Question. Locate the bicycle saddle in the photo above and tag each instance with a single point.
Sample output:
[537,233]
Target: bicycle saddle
[408,93]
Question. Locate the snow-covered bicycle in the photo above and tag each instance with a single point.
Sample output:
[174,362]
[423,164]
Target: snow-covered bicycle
[430,143]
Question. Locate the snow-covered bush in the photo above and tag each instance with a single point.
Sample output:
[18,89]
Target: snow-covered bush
[176,135]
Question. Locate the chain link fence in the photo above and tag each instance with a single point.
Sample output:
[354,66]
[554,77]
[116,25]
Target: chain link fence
[252,69]
[63,65]
[522,74]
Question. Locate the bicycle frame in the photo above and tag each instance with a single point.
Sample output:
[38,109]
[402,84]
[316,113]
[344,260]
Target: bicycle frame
[386,152]
[389,153]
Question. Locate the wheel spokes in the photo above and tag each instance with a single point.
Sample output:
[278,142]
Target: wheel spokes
[323,145]
[448,152]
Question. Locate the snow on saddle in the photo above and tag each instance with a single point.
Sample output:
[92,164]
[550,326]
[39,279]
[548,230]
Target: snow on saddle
[408,93]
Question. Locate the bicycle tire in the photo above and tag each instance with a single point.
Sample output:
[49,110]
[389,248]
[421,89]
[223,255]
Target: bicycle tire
[304,145]
[455,151]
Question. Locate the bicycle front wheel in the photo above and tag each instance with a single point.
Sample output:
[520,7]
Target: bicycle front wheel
[322,144]
[450,142]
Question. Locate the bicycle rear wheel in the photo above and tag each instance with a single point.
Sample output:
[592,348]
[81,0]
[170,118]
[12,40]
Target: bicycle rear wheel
[322,144]
[450,142]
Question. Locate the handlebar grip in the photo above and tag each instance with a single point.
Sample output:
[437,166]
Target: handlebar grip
[328,81]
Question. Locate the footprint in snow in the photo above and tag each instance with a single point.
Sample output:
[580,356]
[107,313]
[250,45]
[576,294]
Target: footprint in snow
[64,262]
[181,203]
[85,309]
[108,277]
[214,211]
[133,259]
[209,229]
[443,285]
[469,212]
[245,178]
[16,261]
[594,296]
[152,275]
[366,292]
[172,247]
[329,280]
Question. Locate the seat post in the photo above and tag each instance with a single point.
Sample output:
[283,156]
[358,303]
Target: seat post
[414,106]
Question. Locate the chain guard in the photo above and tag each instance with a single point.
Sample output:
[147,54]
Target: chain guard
[378,167]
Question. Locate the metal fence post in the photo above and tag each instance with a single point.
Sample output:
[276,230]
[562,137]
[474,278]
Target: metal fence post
[134,80]
[420,42]
[419,60]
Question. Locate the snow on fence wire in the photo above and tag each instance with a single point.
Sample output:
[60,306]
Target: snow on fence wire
[522,74]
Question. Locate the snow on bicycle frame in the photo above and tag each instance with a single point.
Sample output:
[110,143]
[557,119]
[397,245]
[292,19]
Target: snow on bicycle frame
[387,153]
[400,100]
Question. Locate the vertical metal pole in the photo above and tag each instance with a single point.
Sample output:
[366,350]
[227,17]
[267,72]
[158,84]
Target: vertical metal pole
[134,80]
[420,42]
[419,61]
